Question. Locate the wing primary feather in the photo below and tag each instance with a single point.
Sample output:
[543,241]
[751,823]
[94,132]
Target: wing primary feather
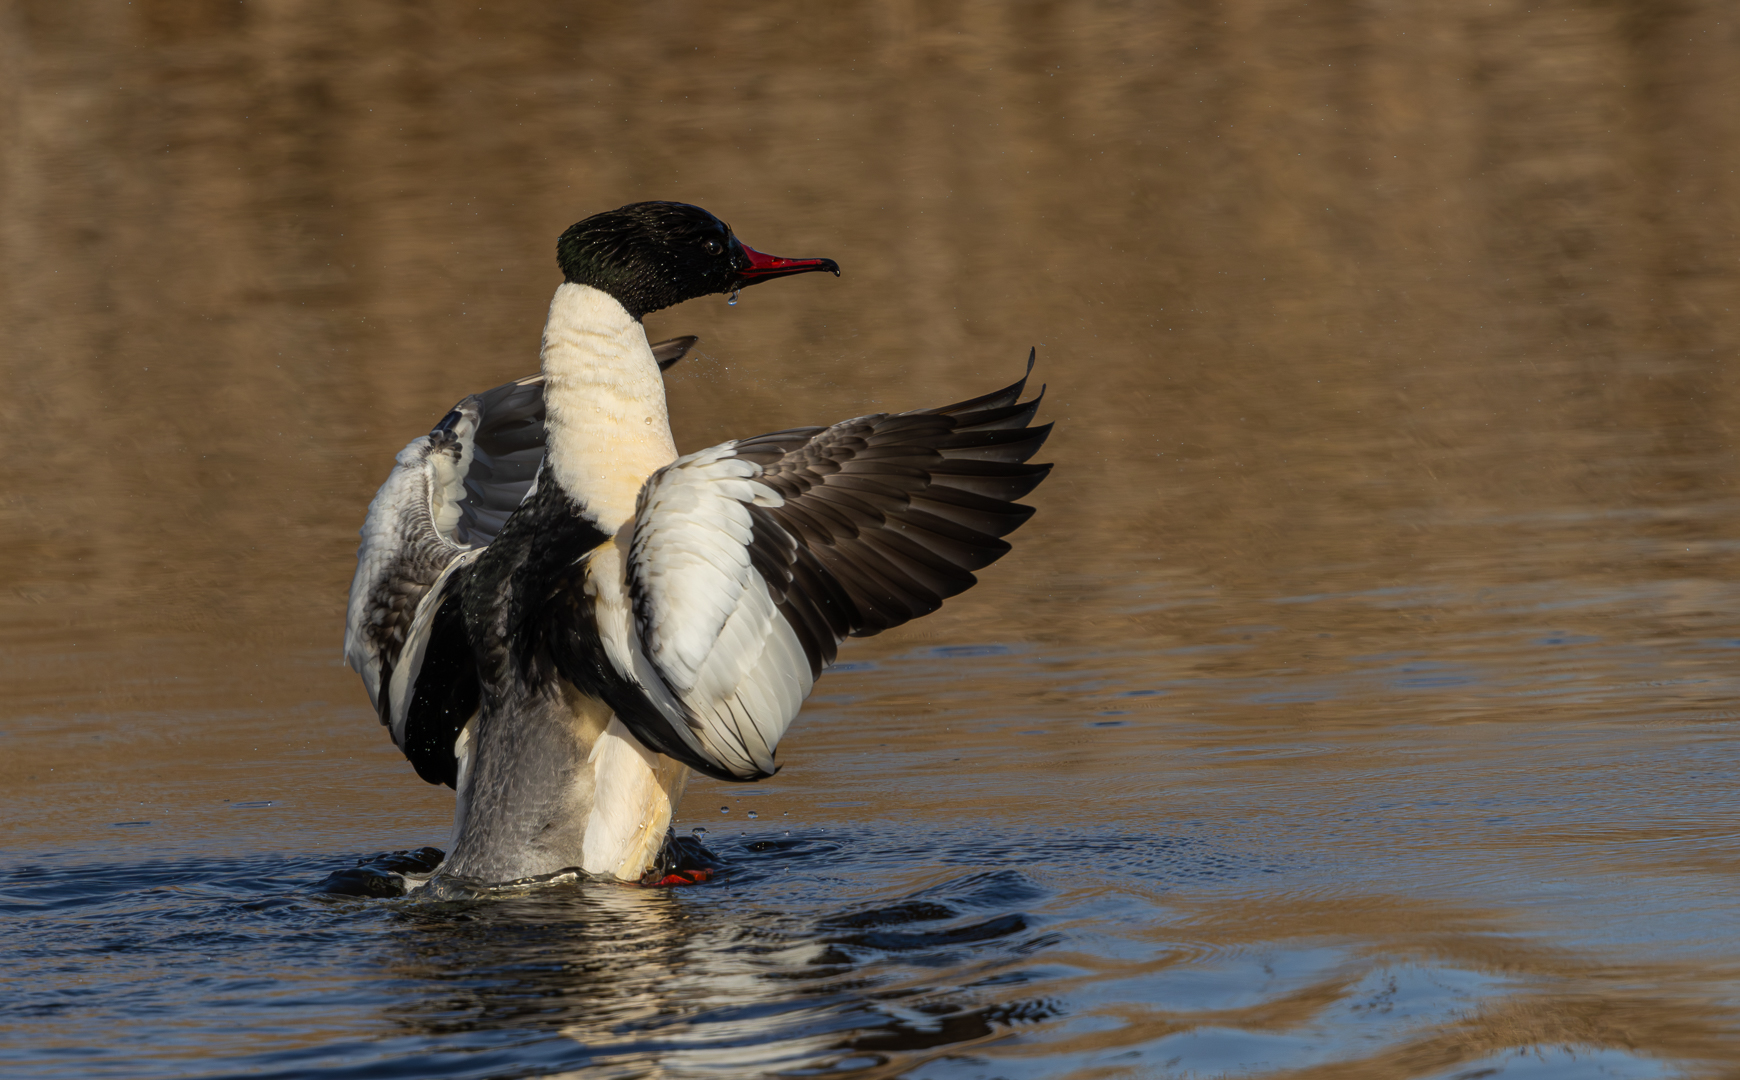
[997,398]
[826,596]
[1007,416]
[1002,480]
[993,517]
[996,445]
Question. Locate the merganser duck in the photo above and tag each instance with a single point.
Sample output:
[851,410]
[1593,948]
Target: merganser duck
[559,617]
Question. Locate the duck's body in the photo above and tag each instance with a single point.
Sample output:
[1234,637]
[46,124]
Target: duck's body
[637,614]
[555,782]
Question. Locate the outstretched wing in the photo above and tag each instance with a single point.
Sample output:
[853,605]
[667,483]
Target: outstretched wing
[446,499]
[747,563]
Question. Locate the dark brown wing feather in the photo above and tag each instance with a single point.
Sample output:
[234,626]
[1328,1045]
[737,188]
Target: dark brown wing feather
[887,516]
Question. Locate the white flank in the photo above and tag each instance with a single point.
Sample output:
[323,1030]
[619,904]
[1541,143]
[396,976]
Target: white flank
[608,425]
[634,791]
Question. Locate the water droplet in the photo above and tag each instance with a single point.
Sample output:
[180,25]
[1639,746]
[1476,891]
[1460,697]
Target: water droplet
[732,302]
[785,813]
[724,809]
[697,832]
[753,815]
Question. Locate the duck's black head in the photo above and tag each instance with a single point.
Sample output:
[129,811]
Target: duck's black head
[651,255]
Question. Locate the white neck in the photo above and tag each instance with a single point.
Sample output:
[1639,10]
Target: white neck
[608,427]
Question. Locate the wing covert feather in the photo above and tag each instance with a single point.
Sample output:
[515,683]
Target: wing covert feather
[748,562]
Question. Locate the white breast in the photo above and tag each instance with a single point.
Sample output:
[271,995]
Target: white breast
[609,428]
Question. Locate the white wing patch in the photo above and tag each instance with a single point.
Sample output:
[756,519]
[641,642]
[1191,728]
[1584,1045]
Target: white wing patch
[691,552]
[707,645]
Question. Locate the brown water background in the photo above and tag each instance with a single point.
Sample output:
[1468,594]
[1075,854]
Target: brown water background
[1390,548]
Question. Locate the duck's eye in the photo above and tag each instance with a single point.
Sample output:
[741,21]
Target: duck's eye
[713,247]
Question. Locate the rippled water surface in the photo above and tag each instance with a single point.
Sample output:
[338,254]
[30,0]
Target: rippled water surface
[1359,703]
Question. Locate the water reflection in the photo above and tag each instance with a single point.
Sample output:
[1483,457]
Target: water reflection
[995,971]
[1321,295]
[1047,959]
[637,978]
